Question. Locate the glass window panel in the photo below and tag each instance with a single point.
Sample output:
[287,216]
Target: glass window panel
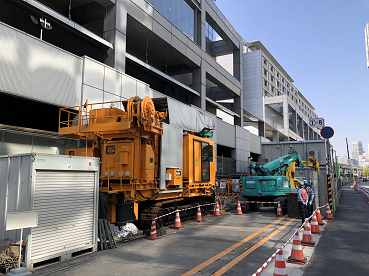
[205,161]
[178,12]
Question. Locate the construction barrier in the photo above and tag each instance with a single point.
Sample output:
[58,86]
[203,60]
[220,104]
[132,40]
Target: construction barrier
[184,209]
[262,202]
[285,244]
[362,190]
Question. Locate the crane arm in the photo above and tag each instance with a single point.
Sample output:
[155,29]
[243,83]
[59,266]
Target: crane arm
[312,163]
[278,166]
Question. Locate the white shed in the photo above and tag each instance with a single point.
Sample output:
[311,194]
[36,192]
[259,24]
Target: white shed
[64,191]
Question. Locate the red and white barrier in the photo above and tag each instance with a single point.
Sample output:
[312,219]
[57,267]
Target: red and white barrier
[285,244]
[167,214]
[244,202]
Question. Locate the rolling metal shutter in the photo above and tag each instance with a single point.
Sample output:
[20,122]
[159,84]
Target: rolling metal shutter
[65,204]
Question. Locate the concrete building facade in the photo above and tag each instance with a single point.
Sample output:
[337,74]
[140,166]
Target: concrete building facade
[62,53]
[108,50]
[270,95]
[357,151]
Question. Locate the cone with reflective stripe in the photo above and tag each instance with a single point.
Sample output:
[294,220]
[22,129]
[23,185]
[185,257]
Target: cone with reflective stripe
[319,217]
[239,210]
[280,265]
[153,231]
[297,256]
[307,238]
[314,226]
[198,215]
[177,222]
[328,214]
[217,212]
[279,210]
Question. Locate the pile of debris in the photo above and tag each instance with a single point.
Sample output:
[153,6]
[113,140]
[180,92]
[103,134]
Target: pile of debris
[9,254]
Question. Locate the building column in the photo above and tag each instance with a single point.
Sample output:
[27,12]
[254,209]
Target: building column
[199,74]
[237,63]
[199,84]
[261,128]
[286,121]
[294,121]
[115,32]
[301,127]
[238,103]
[275,136]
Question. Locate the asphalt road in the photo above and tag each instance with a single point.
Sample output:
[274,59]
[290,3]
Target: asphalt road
[237,245]
[230,245]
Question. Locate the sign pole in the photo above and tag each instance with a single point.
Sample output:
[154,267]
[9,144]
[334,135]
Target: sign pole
[326,156]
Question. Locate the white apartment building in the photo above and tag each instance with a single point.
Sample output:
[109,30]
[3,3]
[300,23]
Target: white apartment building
[270,95]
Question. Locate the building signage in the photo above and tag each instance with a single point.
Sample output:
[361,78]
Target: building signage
[316,122]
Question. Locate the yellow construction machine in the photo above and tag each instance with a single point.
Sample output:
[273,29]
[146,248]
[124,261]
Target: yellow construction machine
[128,141]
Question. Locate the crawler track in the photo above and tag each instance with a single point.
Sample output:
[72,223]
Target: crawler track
[161,208]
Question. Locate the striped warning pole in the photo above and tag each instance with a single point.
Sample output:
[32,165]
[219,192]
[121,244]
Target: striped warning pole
[330,197]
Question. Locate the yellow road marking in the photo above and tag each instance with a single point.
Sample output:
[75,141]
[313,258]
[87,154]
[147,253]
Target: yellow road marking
[247,252]
[226,251]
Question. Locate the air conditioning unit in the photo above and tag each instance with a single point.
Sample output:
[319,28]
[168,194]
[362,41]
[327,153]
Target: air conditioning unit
[315,154]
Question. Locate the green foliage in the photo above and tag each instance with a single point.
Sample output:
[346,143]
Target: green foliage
[365,171]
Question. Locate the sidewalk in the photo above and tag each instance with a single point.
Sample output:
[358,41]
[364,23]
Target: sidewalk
[343,249]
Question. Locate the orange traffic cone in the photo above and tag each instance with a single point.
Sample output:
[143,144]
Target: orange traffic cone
[198,215]
[239,210]
[177,222]
[319,217]
[153,231]
[307,238]
[328,214]
[297,256]
[280,265]
[279,210]
[314,226]
[217,212]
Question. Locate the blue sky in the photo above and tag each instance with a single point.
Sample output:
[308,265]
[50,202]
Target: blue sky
[321,45]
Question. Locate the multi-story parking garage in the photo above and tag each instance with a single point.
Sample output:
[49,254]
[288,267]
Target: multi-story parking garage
[61,53]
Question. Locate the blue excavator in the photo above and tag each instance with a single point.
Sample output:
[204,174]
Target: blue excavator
[271,181]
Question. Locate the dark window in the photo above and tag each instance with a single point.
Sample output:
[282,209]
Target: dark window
[110,149]
[206,158]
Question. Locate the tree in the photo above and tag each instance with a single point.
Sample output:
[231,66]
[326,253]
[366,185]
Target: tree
[365,171]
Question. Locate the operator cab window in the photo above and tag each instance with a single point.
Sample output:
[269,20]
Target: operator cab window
[110,149]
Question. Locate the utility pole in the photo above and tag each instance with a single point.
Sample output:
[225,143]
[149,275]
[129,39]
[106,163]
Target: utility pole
[348,154]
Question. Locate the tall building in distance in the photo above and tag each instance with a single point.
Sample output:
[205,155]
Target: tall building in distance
[357,150]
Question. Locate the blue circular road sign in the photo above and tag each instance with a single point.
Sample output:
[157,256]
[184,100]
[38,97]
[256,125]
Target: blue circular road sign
[327,132]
